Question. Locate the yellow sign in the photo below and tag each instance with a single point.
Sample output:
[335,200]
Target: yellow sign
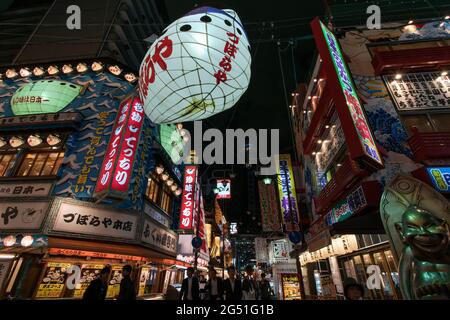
[145,275]
[114,282]
[53,282]
[288,197]
[89,272]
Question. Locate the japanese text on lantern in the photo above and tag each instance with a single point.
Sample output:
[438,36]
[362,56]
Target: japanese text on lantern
[230,50]
[351,97]
[188,198]
[163,50]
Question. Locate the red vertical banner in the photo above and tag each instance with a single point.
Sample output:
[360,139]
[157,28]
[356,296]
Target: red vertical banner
[112,152]
[115,173]
[124,167]
[188,199]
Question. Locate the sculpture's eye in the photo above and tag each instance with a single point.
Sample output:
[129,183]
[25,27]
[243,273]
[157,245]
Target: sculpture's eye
[185,27]
[227,22]
[205,19]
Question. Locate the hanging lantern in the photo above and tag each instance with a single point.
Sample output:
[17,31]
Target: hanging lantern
[24,72]
[82,67]
[165,176]
[178,192]
[27,241]
[97,66]
[169,182]
[16,142]
[200,66]
[9,241]
[38,71]
[174,187]
[53,139]
[159,169]
[115,69]
[52,70]
[67,68]
[2,142]
[34,140]
[11,73]
[130,77]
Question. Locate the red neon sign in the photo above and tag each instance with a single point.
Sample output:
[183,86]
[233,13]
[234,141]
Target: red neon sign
[188,198]
[115,173]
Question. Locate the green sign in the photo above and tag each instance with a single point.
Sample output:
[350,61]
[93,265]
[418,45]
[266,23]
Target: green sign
[172,141]
[44,96]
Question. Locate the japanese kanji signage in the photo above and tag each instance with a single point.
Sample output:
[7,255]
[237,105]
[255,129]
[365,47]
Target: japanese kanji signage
[81,220]
[157,215]
[288,198]
[188,198]
[159,237]
[23,215]
[345,208]
[224,186]
[45,118]
[115,174]
[52,284]
[419,91]
[350,110]
[270,212]
[20,189]
[280,251]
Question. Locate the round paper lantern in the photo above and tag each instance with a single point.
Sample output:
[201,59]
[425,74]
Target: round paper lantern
[199,66]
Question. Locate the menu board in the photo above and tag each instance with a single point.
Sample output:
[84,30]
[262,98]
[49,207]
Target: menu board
[89,272]
[114,282]
[291,286]
[145,276]
[52,284]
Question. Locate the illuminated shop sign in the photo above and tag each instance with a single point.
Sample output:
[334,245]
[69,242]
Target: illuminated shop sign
[345,208]
[288,198]
[22,215]
[351,97]
[440,176]
[224,187]
[115,174]
[419,91]
[188,198]
[24,189]
[172,141]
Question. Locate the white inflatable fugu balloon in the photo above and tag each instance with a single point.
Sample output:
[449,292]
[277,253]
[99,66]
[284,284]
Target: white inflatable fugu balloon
[198,67]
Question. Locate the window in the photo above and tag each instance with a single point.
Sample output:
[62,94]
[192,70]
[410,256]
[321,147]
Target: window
[6,163]
[153,188]
[40,164]
[158,193]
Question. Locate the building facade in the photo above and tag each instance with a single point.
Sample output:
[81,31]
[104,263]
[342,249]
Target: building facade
[377,105]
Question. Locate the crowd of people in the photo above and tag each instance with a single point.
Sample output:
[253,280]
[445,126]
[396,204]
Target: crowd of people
[231,289]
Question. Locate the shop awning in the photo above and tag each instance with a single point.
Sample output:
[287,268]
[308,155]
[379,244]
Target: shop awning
[364,223]
[84,247]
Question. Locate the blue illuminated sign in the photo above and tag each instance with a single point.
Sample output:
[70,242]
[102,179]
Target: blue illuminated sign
[440,176]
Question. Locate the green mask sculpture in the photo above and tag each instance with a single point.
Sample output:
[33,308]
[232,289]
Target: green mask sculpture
[416,219]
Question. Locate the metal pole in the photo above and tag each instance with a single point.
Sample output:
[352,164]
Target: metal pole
[197,229]
[223,243]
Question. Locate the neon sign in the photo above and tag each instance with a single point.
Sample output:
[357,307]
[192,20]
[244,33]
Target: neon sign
[351,96]
[188,198]
[440,176]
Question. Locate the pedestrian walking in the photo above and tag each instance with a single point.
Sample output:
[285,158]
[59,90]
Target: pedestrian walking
[127,286]
[214,287]
[249,286]
[97,288]
[190,289]
[265,290]
[232,286]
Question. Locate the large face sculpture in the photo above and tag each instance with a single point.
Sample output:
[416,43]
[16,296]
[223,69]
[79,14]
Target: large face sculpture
[199,66]
[426,234]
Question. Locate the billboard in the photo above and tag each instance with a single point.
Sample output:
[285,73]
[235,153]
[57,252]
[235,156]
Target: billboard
[188,199]
[288,198]
[354,122]
[270,212]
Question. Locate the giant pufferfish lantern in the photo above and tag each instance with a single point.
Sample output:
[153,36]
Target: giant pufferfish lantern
[198,67]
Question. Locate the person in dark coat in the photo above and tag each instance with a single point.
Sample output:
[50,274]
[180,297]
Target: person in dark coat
[249,285]
[214,287]
[265,290]
[127,287]
[190,289]
[232,286]
[97,288]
